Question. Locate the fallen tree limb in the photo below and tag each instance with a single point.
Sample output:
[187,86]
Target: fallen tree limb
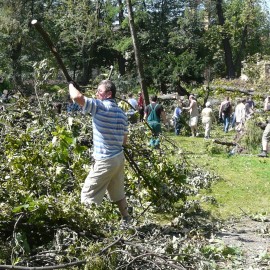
[52,267]
[249,92]
[60,266]
[112,244]
[46,37]
[168,96]
[225,143]
[168,261]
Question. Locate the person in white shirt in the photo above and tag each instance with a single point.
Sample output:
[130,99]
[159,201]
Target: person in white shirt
[240,115]
[266,106]
[207,115]
[266,133]
[132,110]
[194,115]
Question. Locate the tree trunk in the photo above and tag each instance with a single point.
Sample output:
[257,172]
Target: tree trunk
[226,43]
[121,11]
[16,65]
[181,90]
[240,52]
[97,11]
[121,64]
[163,87]
[137,53]
[121,60]
[86,70]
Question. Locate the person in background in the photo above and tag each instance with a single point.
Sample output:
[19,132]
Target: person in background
[266,106]
[132,110]
[265,140]
[225,111]
[4,96]
[240,115]
[194,115]
[207,116]
[232,118]
[176,119]
[266,132]
[250,103]
[110,129]
[141,106]
[153,114]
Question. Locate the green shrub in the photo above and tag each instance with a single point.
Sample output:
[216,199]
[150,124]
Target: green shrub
[213,148]
[252,136]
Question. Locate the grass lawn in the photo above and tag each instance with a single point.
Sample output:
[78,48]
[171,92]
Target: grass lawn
[245,179]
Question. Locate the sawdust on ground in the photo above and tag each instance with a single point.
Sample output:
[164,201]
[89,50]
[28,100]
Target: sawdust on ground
[252,237]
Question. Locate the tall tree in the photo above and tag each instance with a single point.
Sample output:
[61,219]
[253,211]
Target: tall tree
[121,59]
[137,52]
[16,38]
[242,28]
[245,25]
[14,29]
[226,42]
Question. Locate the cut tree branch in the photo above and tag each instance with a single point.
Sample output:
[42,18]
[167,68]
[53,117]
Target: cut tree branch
[53,49]
[225,143]
[52,267]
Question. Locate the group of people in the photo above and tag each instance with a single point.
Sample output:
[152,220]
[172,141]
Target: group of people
[243,111]
[192,108]
[237,117]
[193,111]
[153,114]
[233,118]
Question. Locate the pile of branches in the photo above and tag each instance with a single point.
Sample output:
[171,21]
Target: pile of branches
[45,159]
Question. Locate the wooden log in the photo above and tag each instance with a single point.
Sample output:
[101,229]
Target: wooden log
[168,96]
[249,92]
[225,143]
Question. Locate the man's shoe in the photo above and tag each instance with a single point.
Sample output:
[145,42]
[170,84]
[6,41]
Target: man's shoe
[263,154]
[126,223]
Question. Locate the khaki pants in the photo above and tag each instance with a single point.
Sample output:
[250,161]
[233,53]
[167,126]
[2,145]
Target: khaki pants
[207,123]
[105,175]
[266,135]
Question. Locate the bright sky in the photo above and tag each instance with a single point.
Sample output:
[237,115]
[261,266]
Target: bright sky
[268,3]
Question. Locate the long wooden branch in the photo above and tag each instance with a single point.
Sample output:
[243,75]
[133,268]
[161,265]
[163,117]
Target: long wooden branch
[110,74]
[225,143]
[166,259]
[60,266]
[52,267]
[53,49]
[110,245]
[233,89]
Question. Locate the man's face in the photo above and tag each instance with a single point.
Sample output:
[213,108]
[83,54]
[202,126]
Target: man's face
[102,93]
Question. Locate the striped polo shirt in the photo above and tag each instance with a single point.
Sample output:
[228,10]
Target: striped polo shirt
[109,126]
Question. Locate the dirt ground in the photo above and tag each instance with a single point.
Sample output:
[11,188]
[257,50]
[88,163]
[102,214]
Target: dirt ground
[252,237]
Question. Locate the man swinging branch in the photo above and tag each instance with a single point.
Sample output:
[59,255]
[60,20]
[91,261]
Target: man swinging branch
[110,129]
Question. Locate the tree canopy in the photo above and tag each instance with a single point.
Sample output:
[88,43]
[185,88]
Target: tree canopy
[179,41]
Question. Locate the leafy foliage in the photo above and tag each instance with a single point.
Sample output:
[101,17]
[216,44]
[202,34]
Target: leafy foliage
[179,40]
[251,140]
[44,160]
